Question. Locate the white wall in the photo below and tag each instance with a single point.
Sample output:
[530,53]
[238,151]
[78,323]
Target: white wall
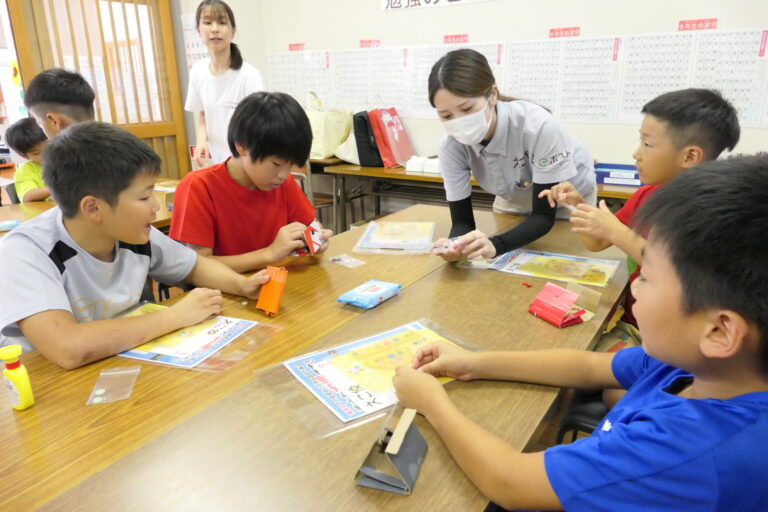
[268,26]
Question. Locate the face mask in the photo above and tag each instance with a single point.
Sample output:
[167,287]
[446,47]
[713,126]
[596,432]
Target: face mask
[471,128]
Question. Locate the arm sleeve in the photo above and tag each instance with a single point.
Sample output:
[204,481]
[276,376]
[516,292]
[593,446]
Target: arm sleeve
[31,284]
[552,152]
[462,218]
[454,168]
[193,217]
[255,83]
[629,364]
[171,262]
[534,227]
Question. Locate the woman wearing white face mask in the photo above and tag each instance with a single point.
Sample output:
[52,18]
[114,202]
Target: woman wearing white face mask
[514,148]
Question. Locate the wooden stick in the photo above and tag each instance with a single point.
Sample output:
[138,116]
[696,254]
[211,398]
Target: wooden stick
[400,430]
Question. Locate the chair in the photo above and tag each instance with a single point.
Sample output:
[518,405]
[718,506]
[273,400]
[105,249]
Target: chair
[319,201]
[584,413]
[10,189]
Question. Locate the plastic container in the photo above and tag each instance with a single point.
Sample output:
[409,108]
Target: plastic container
[16,378]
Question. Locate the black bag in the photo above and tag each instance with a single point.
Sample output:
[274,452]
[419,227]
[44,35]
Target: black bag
[367,149]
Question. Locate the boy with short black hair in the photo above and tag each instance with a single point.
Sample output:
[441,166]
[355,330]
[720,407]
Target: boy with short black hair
[690,432]
[69,272]
[680,129]
[27,139]
[249,212]
[58,98]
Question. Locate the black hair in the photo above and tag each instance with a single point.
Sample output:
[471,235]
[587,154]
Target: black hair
[97,159]
[59,90]
[698,116]
[711,220]
[23,135]
[271,124]
[221,9]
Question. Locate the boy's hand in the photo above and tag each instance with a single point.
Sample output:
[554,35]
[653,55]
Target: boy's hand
[325,234]
[288,239]
[563,193]
[596,222]
[251,285]
[197,305]
[444,360]
[418,390]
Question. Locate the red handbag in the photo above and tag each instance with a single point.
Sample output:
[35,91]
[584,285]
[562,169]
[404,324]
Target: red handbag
[391,138]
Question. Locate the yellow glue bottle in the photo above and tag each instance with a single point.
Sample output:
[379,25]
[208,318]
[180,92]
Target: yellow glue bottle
[16,378]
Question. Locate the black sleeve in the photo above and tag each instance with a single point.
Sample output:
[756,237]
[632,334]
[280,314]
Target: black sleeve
[534,227]
[462,218]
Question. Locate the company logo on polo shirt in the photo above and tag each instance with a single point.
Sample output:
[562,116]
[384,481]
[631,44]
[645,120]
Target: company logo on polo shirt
[607,426]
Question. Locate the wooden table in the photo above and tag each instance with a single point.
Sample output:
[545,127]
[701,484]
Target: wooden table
[225,441]
[60,442]
[427,183]
[26,211]
[249,451]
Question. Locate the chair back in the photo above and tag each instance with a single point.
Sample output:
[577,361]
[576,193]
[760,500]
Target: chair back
[10,189]
[304,179]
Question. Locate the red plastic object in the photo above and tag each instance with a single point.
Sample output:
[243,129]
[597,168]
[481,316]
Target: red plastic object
[312,239]
[554,304]
[272,293]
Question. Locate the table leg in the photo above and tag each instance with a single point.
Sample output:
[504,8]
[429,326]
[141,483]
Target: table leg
[339,204]
[376,199]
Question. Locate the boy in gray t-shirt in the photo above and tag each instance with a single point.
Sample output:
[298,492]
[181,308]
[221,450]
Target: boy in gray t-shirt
[68,272]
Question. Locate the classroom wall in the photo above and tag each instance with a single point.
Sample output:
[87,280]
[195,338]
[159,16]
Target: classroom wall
[269,26]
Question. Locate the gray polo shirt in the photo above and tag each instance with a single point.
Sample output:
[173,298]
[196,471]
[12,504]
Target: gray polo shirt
[528,146]
[43,269]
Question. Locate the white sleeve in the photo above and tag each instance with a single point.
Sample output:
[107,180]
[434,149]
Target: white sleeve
[194,101]
[31,284]
[171,261]
[454,169]
[553,154]
[255,83]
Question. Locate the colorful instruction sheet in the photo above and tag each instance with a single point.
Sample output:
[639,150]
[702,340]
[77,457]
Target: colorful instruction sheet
[409,237]
[560,267]
[189,346]
[355,379]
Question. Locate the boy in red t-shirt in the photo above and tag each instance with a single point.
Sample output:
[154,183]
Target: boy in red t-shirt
[680,129]
[249,212]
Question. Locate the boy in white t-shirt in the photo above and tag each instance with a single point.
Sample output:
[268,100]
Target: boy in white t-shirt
[67,273]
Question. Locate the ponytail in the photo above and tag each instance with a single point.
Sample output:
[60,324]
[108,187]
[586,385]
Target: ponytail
[235,57]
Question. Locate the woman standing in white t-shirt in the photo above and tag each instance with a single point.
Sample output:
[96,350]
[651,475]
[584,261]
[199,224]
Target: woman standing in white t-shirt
[515,149]
[218,83]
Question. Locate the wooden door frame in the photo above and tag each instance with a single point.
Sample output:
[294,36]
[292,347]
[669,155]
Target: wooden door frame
[30,64]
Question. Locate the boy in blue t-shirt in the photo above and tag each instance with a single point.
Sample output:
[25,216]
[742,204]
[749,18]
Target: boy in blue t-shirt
[690,432]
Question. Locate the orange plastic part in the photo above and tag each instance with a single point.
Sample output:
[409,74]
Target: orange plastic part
[272,293]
